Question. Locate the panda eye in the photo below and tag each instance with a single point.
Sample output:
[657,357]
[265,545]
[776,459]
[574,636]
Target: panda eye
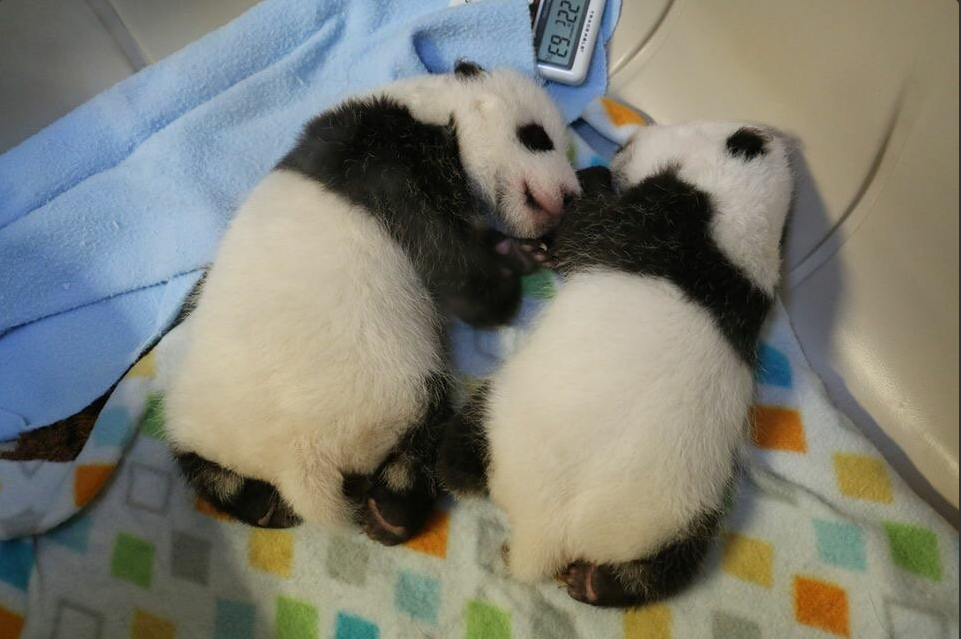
[534,137]
[747,143]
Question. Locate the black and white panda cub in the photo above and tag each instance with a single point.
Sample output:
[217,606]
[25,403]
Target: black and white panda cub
[314,381]
[611,436]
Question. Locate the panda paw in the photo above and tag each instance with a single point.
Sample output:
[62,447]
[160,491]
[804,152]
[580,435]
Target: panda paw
[392,518]
[596,585]
[525,256]
[579,579]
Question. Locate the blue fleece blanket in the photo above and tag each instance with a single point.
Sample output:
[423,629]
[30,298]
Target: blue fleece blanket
[108,216]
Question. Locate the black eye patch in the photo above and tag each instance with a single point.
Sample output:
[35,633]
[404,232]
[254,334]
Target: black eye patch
[534,137]
[747,143]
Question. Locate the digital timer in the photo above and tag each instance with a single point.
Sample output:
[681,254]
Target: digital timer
[564,35]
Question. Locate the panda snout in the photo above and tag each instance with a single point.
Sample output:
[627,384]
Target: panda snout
[550,201]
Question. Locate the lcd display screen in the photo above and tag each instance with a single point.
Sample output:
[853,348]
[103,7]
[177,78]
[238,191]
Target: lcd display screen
[559,31]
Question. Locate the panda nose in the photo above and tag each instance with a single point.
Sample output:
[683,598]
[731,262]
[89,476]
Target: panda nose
[552,204]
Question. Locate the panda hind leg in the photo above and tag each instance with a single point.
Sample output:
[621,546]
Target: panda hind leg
[396,501]
[251,501]
[462,459]
[642,581]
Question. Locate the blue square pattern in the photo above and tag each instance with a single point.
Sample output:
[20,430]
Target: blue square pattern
[351,627]
[773,367]
[840,544]
[234,620]
[73,533]
[113,427]
[418,596]
[16,562]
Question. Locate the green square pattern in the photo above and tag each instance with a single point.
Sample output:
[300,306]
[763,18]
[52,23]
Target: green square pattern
[915,549]
[133,560]
[539,284]
[485,621]
[153,418]
[295,620]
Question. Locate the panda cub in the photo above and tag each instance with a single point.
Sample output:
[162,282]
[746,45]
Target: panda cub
[610,438]
[314,382]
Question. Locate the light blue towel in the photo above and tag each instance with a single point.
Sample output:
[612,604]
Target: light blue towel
[108,215]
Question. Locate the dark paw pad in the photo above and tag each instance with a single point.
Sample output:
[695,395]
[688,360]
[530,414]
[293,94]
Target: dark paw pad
[390,518]
[259,504]
[524,256]
[579,579]
[596,585]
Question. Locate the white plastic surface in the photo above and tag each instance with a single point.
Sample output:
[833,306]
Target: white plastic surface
[54,56]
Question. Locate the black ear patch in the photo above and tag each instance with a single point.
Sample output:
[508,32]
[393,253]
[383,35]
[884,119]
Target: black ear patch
[596,179]
[467,69]
[747,143]
[534,137]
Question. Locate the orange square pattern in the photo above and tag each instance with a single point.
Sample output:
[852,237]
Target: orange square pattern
[147,626]
[777,428]
[88,479]
[205,507]
[433,538]
[821,605]
[11,624]
[620,114]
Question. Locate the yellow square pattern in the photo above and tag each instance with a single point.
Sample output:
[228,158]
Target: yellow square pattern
[648,622]
[146,367]
[271,551]
[863,477]
[748,559]
[147,626]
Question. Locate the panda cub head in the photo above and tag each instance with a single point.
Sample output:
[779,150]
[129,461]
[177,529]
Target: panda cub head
[513,144]
[744,171]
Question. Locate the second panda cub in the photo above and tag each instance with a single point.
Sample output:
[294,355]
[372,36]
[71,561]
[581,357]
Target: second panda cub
[611,436]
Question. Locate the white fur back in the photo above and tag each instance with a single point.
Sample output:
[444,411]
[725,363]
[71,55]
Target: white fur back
[614,425]
[308,351]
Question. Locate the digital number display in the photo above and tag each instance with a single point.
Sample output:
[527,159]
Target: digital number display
[559,32]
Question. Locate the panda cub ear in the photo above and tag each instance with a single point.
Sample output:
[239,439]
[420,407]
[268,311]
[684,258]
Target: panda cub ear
[747,143]
[465,69]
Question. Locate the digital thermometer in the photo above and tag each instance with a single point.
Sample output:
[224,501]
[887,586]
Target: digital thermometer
[564,35]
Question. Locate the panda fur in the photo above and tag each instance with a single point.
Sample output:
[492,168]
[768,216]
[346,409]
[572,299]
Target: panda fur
[315,378]
[611,437]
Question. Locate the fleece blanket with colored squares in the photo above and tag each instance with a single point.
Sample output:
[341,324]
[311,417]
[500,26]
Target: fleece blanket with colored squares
[822,539]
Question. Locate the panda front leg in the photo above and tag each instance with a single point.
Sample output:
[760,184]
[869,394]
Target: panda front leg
[251,501]
[395,502]
[487,297]
[642,581]
[521,256]
[462,459]
[528,255]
